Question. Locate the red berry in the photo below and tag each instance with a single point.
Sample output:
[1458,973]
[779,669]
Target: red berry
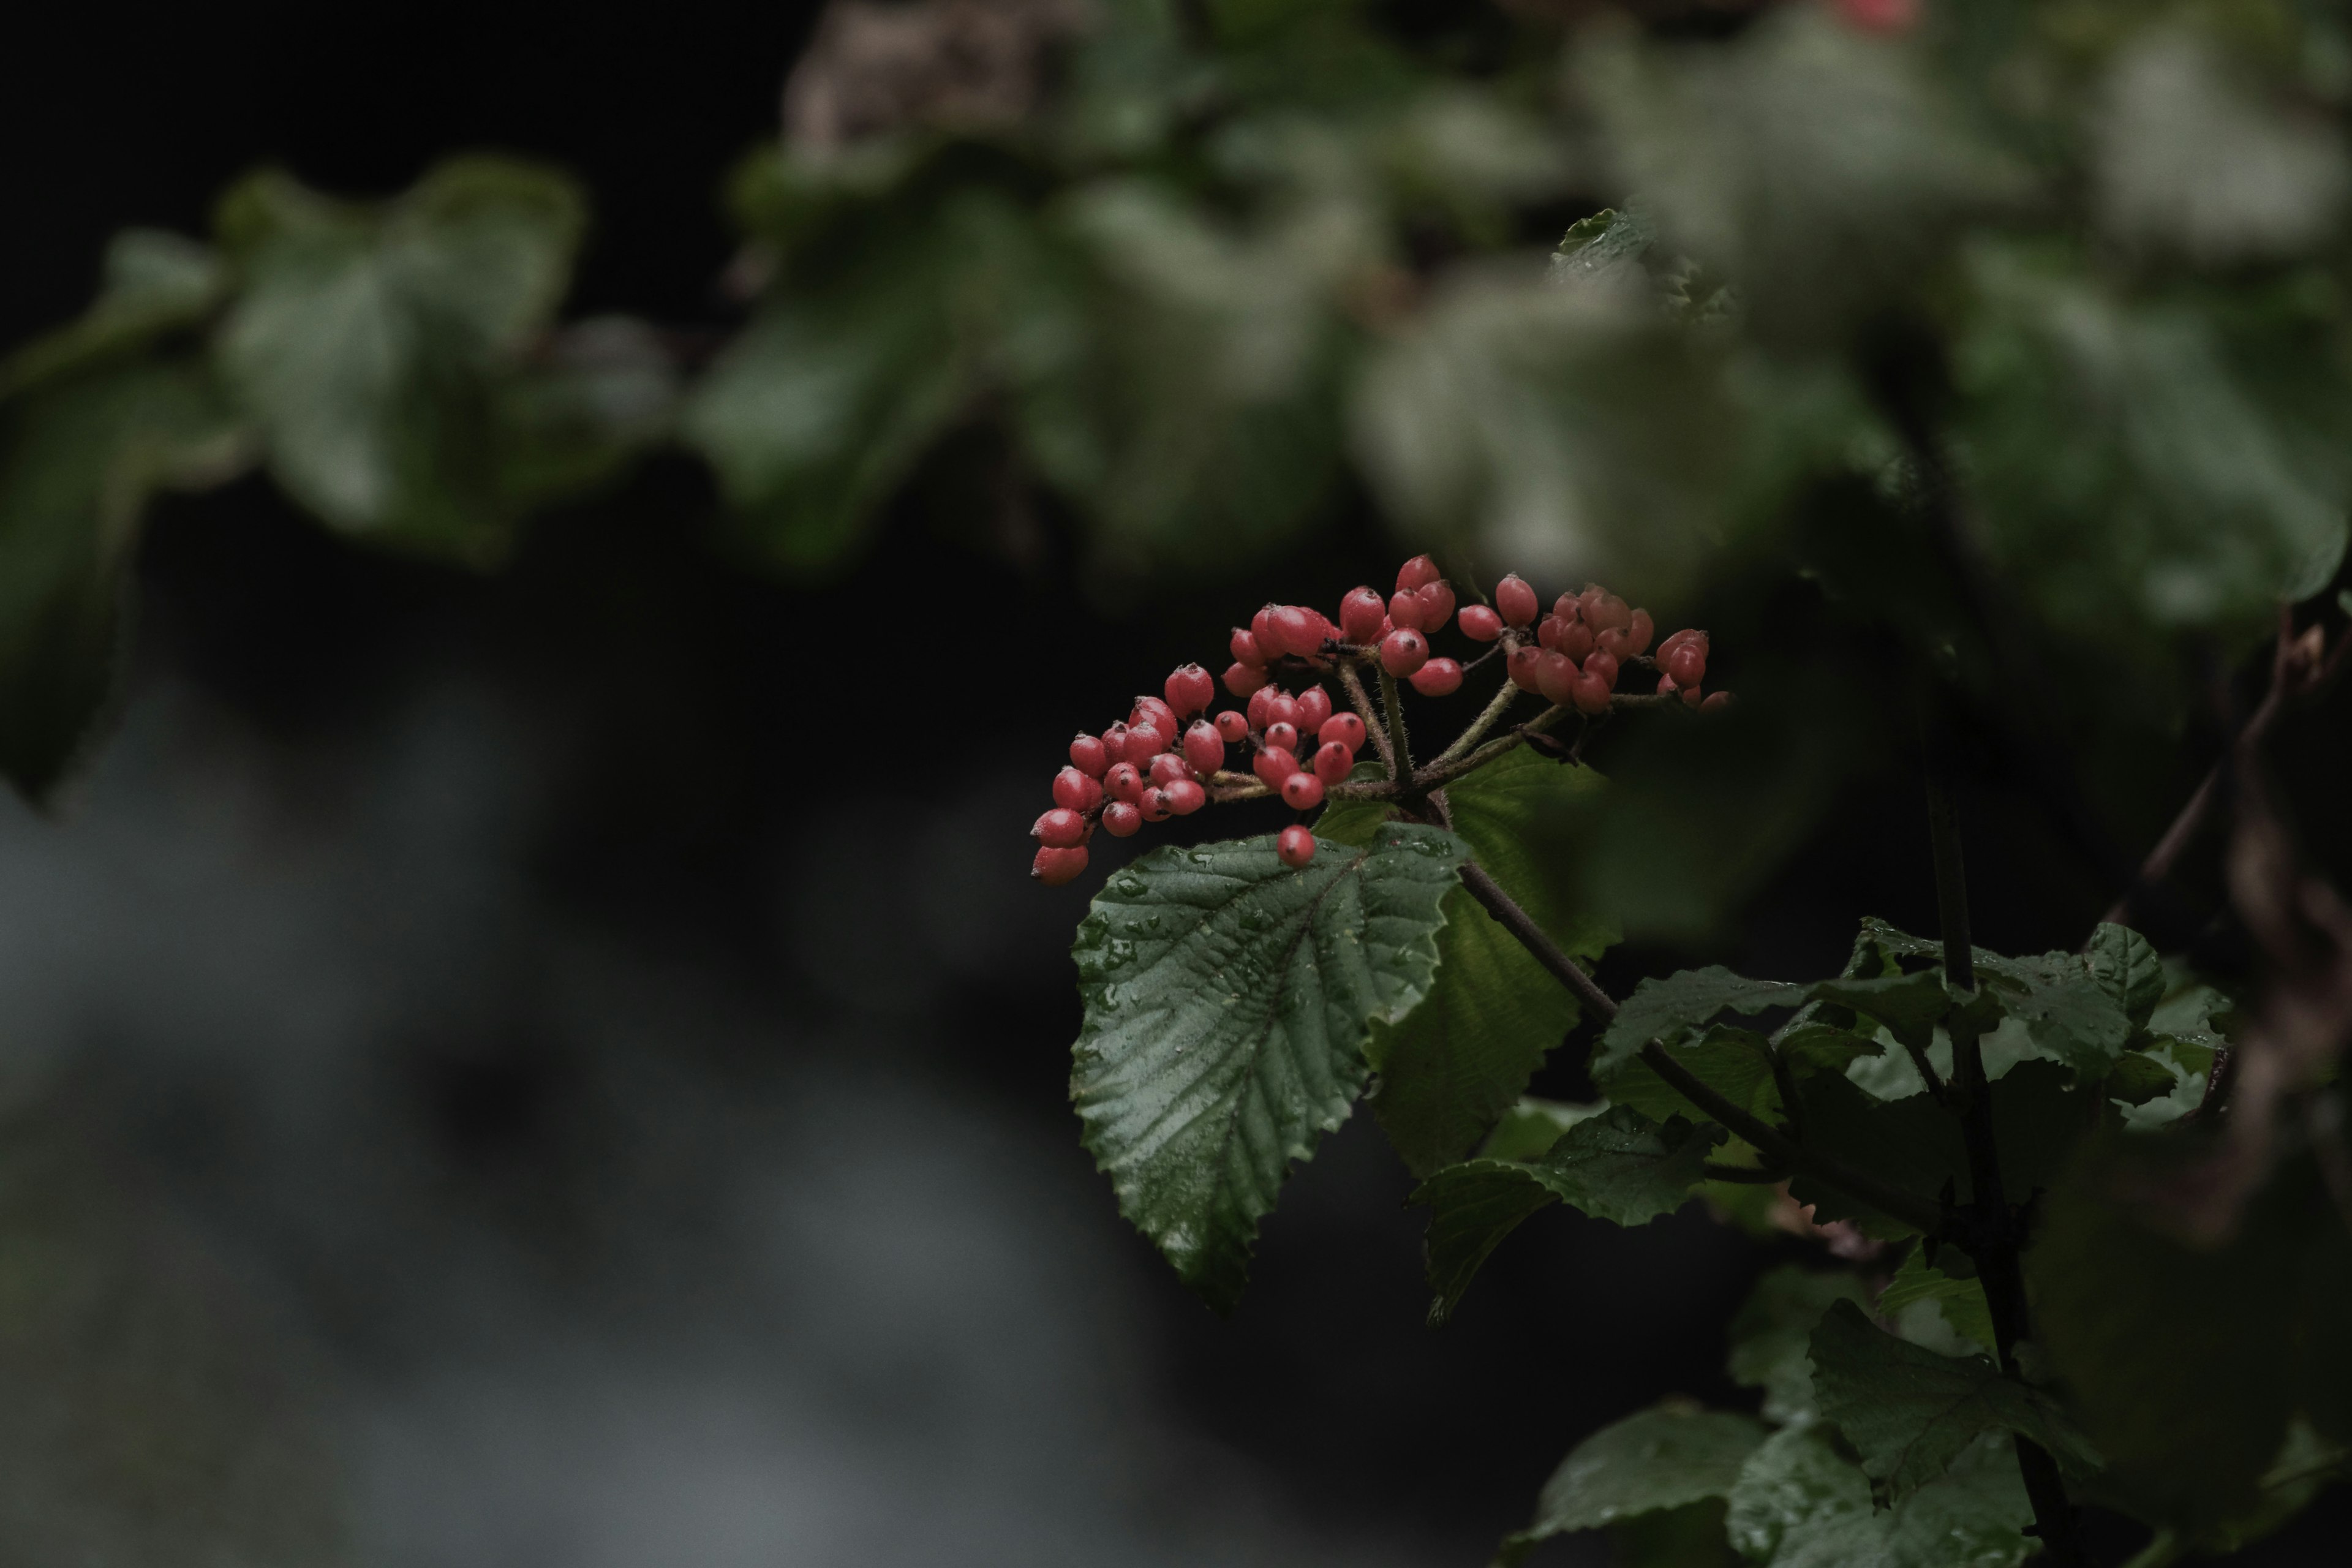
[1405,610]
[1480,624]
[1332,762]
[1577,641]
[1313,707]
[1088,755]
[1262,628]
[1076,791]
[1416,575]
[1361,614]
[1261,705]
[1613,643]
[1167,768]
[1521,667]
[1123,783]
[1666,687]
[1686,664]
[1676,639]
[1114,742]
[1121,818]
[1591,694]
[1055,866]
[1302,792]
[1556,676]
[1514,601]
[1569,606]
[1143,744]
[1602,667]
[1608,613]
[1297,848]
[1154,805]
[1203,747]
[1438,678]
[1273,765]
[1282,710]
[1299,630]
[1241,679]
[1550,630]
[1059,828]
[1233,726]
[1693,697]
[1403,650]
[1190,689]
[1639,633]
[1152,711]
[1436,602]
[1344,729]
[1284,736]
[1185,797]
[1246,649]
[1714,702]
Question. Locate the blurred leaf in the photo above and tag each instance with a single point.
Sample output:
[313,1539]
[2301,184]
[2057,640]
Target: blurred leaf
[153,283]
[1529,1129]
[1228,999]
[1771,1336]
[1665,1457]
[1691,1536]
[1910,1412]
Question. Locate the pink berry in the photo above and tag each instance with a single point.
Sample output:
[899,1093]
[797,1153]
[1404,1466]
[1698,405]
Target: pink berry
[1059,828]
[1666,687]
[1123,783]
[1273,765]
[1332,762]
[1088,756]
[1143,744]
[1556,676]
[1693,697]
[1297,848]
[1591,694]
[1638,634]
[1261,704]
[1715,701]
[1302,792]
[1686,664]
[1246,649]
[1608,613]
[1241,679]
[1055,866]
[1185,797]
[1076,791]
[1550,630]
[1599,665]
[1262,627]
[1676,639]
[1576,640]
[1613,643]
[1405,610]
[1416,575]
[1121,818]
[1284,736]
[1521,667]
[1480,624]
[1313,707]
[1190,689]
[1514,601]
[1203,747]
[1436,602]
[1152,711]
[1403,650]
[1361,614]
[1282,710]
[1167,768]
[1154,805]
[1300,630]
[1233,726]
[1342,729]
[1570,606]
[1114,742]
[1438,678]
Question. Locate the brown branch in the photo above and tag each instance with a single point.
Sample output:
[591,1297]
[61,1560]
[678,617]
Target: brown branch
[1535,940]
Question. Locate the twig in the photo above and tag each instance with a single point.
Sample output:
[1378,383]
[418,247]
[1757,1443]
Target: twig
[1373,725]
[1485,721]
[1535,940]
[1392,709]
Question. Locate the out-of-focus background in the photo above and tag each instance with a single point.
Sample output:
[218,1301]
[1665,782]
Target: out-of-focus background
[566,1068]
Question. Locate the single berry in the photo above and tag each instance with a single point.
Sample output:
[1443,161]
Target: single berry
[1185,796]
[1613,643]
[1246,649]
[1152,711]
[1203,747]
[1190,689]
[1416,575]
[1284,736]
[1076,791]
[1405,610]
[1332,762]
[1591,694]
[1123,783]
[1313,707]
[1550,630]
[1344,729]
[1403,650]
[1299,630]
[1167,768]
[1438,678]
[1608,613]
[1302,792]
[1715,701]
[1514,601]
[1059,828]
[1241,679]
[1480,624]
[1693,697]
[1283,710]
[1576,640]
[1569,606]
[1114,742]
[1089,756]
[1639,633]
[1261,705]
[1521,667]
[1666,687]
[1686,664]
[1262,628]
[1556,676]
[1599,665]
[1297,848]
[1674,640]
[1273,765]
[1436,602]
[1361,614]
[1233,726]
[1143,744]
[1154,805]
[1120,819]
[1055,866]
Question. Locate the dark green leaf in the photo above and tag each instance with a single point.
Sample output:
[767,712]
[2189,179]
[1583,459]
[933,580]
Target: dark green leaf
[1799,1503]
[1529,1128]
[1691,1536]
[1614,1166]
[1735,1063]
[1228,999]
[2071,1017]
[1665,1457]
[1910,1005]
[1670,1008]
[1771,1336]
[1910,1412]
[1798,1485]
[153,283]
[2127,968]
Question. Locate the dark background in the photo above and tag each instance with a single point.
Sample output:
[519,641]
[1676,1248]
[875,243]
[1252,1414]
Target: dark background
[567,1068]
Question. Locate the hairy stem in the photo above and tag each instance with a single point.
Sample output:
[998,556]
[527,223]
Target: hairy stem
[1372,726]
[1392,709]
[1494,712]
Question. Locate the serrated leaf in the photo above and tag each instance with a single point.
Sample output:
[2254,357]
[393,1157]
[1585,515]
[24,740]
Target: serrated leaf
[1910,1005]
[1909,1412]
[1670,1008]
[1529,1128]
[1604,250]
[1771,1336]
[1735,1063]
[2127,966]
[1665,1457]
[1799,1503]
[1614,1166]
[1227,1001]
[1960,1303]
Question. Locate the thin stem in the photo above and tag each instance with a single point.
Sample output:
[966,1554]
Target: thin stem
[1495,710]
[1373,725]
[1535,940]
[1392,706]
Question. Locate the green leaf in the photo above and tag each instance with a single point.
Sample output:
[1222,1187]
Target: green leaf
[2070,1015]
[1605,250]
[1799,1503]
[368,343]
[1452,1065]
[1670,1008]
[1356,821]
[1910,1005]
[1798,1484]
[1529,1128]
[1771,1336]
[1227,1003]
[1910,1412]
[1735,1063]
[1959,1305]
[154,284]
[1614,1166]
[2126,966]
[1667,1457]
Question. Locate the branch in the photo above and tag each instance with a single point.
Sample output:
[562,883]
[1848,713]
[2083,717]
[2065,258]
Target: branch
[1494,709]
[1392,709]
[1373,725]
[1535,940]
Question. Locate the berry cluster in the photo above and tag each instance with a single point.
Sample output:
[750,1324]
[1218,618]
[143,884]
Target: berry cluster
[1170,753]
